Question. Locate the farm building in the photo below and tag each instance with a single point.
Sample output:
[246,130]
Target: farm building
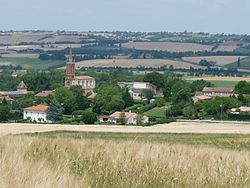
[36,113]
[22,89]
[217,91]
[130,118]
[137,89]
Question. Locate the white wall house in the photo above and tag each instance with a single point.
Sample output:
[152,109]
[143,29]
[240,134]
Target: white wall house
[130,118]
[137,89]
[36,113]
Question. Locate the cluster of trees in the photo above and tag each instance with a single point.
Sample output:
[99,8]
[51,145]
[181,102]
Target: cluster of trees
[111,98]
[243,87]
[207,63]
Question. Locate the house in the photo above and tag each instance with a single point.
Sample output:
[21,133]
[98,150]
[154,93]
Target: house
[218,91]
[209,93]
[240,110]
[44,93]
[6,98]
[22,90]
[86,82]
[36,113]
[201,98]
[130,118]
[137,89]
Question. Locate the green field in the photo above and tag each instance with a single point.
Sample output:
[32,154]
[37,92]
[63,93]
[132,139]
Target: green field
[31,63]
[157,112]
[221,83]
[244,64]
[224,141]
[230,84]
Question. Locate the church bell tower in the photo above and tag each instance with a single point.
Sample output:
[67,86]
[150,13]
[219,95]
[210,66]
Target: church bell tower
[70,70]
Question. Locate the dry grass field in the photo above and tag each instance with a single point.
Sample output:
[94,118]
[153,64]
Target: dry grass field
[42,162]
[226,48]
[168,46]
[16,55]
[135,63]
[27,37]
[34,47]
[220,60]
[15,39]
[217,78]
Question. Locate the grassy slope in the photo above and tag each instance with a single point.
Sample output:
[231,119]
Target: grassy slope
[156,112]
[224,141]
[31,63]
[244,64]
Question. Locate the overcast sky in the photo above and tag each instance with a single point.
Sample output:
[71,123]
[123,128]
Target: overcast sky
[215,16]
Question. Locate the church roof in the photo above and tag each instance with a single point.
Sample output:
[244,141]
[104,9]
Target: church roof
[84,78]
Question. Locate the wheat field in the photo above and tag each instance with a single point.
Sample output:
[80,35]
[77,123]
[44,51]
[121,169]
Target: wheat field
[168,46]
[60,162]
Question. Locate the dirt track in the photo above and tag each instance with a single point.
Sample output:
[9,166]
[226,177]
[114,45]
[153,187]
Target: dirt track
[178,127]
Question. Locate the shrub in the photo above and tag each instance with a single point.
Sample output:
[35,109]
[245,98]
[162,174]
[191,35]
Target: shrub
[89,117]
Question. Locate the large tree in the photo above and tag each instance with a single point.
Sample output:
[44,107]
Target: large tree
[155,78]
[109,99]
[243,87]
[55,112]
[67,99]
[81,101]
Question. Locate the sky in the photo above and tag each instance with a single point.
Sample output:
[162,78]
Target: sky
[214,16]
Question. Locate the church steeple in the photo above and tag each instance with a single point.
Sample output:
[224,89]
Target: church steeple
[70,56]
[70,69]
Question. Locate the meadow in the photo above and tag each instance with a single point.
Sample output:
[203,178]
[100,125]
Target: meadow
[30,63]
[73,159]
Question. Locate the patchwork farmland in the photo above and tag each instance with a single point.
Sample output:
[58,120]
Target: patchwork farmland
[134,63]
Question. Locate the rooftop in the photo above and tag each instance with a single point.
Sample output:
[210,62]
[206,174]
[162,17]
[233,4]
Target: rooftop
[41,108]
[117,115]
[244,109]
[44,93]
[84,78]
[22,85]
[218,89]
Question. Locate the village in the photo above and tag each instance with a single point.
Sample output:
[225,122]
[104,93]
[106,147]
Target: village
[150,95]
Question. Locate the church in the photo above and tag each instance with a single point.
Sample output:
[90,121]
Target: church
[86,82]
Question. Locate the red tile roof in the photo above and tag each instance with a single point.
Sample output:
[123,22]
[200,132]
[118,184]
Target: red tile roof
[117,115]
[218,89]
[42,108]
